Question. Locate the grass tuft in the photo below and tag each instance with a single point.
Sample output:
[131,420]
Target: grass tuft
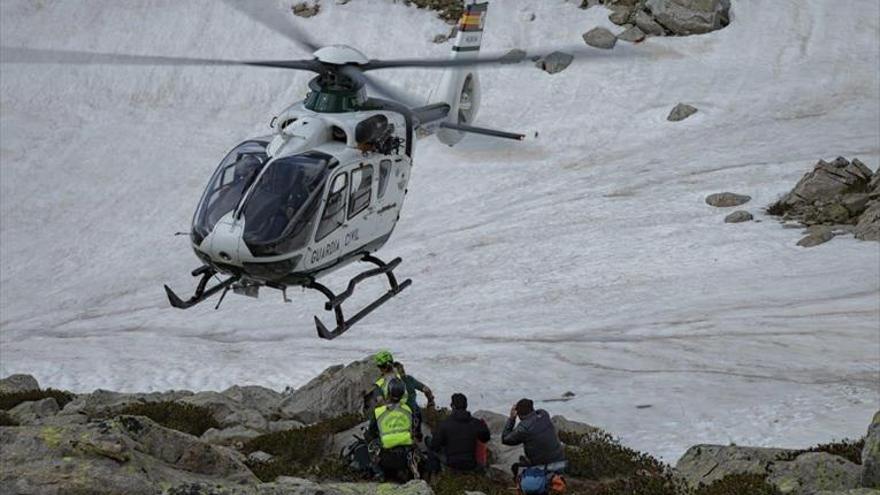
[739,484]
[187,418]
[850,450]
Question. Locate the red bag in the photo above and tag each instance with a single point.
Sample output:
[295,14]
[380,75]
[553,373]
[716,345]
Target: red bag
[481,453]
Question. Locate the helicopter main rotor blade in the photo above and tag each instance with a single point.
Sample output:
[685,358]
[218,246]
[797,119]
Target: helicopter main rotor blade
[510,58]
[23,55]
[269,16]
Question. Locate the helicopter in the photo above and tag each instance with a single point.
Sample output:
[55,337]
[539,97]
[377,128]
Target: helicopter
[325,188]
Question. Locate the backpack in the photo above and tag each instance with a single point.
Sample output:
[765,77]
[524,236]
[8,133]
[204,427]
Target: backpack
[357,456]
[533,481]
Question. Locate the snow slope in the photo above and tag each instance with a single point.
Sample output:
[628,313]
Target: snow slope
[582,260]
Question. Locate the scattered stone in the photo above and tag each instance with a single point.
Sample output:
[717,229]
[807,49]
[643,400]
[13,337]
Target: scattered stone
[18,383]
[816,238]
[554,62]
[646,23]
[633,35]
[600,37]
[727,199]
[870,477]
[304,9]
[738,217]
[28,413]
[681,112]
[441,38]
[568,394]
[514,56]
[620,15]
[814,471]
[705,464]
[338,390]
[686,17]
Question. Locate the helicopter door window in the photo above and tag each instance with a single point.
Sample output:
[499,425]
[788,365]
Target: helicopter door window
[334,210]
[361,189]
[384,173]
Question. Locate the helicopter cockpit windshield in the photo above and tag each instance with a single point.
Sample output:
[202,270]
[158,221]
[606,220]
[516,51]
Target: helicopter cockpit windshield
[283,205]
[233,177]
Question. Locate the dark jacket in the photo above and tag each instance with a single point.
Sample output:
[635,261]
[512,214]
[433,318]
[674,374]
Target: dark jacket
[537,435]
[457,437]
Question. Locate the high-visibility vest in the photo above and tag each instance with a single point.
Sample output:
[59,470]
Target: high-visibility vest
[382,383]
[395,425]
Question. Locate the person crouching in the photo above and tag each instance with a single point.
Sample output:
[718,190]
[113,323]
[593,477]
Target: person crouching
[392,426]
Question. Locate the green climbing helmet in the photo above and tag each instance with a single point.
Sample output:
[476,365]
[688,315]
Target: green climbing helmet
[383,358]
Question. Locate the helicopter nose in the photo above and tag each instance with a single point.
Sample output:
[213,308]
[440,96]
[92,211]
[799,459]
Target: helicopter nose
[225,241]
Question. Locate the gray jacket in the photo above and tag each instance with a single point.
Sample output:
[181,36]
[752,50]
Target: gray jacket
[537,435]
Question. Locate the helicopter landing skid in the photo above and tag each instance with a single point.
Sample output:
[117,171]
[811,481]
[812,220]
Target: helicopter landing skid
[202,291]
[335,301]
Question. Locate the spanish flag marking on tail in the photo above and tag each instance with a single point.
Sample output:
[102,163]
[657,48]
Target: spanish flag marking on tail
[470,28]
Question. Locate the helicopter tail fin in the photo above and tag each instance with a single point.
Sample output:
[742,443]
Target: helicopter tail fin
[460,87]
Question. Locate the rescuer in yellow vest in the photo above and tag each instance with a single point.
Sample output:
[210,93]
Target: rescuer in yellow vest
[392,429]
[385,362]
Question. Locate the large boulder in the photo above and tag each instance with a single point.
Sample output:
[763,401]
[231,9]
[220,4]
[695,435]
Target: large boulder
[229,412]
[337,391]
[871,455]
[105,403]
[128,454]
[600,37]
[554,62]
[812,472]
[18,383]
[680,112]
[685,17]
[868,228]
[828,180]
[31,412]
[261,399]
[705,464]
[727,199]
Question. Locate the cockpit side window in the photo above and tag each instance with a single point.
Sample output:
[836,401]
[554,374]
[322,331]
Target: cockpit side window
[361,188]
[334,209]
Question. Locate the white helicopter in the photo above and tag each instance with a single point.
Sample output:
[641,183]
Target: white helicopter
[326,187]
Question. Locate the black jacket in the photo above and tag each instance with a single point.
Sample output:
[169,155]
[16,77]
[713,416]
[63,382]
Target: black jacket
[457,437]
[537,435]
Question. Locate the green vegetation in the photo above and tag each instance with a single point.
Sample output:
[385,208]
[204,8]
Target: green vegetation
[6,419]
[187,418]
[850,450]
[8,400]
[300,452]
[738,484]
[599,456]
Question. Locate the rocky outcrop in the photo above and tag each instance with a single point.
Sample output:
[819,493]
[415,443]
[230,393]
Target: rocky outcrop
[686,17]
[705,464]
[600,38]
[727,199]
[107,403]
[28,413]
[681,112]
[338,390]
[18,383]
[837,193]
[812,472]
[870,476]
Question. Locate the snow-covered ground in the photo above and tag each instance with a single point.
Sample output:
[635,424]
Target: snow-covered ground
[582,260]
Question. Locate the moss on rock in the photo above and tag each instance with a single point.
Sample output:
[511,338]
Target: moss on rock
[8,400]
[187,418]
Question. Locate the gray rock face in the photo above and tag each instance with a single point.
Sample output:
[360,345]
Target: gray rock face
[101,403]
[600,37]
[18,383]
[554,62]
[868,228]
[336,391]
[261,399]
[633,35]
[727,199]
[28,413]
[686,17]
[709,463]
[812,472]
[738,217]
[870,477]
[828,180]
[648,24]
[681,112]
[129,454]
[816,238]
[235,436]
[230,412]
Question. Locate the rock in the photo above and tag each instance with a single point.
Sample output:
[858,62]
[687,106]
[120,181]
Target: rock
[303,9]
[259,457]
[514,56]
[727,199]
[828,180]
[230,412]
[554,62]
[28,413]
[681,112]
[563,424]
[646,23]
[870,477]
[261,399]
[235,436]
[817,238]
[284,425]
[854,491]
[633,35]
[502,456]
[685,17]
[705,464]
[620,15]
[868,228]
[738,217]
[856,203]
[814,471]
[336,391]
[104,403]
[18,383]
[440,38]
[129,454]
[600,37]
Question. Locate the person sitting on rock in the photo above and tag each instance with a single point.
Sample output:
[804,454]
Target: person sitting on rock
[379,394]
[536,433]
[457,437]
[412,386]
[391,426]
